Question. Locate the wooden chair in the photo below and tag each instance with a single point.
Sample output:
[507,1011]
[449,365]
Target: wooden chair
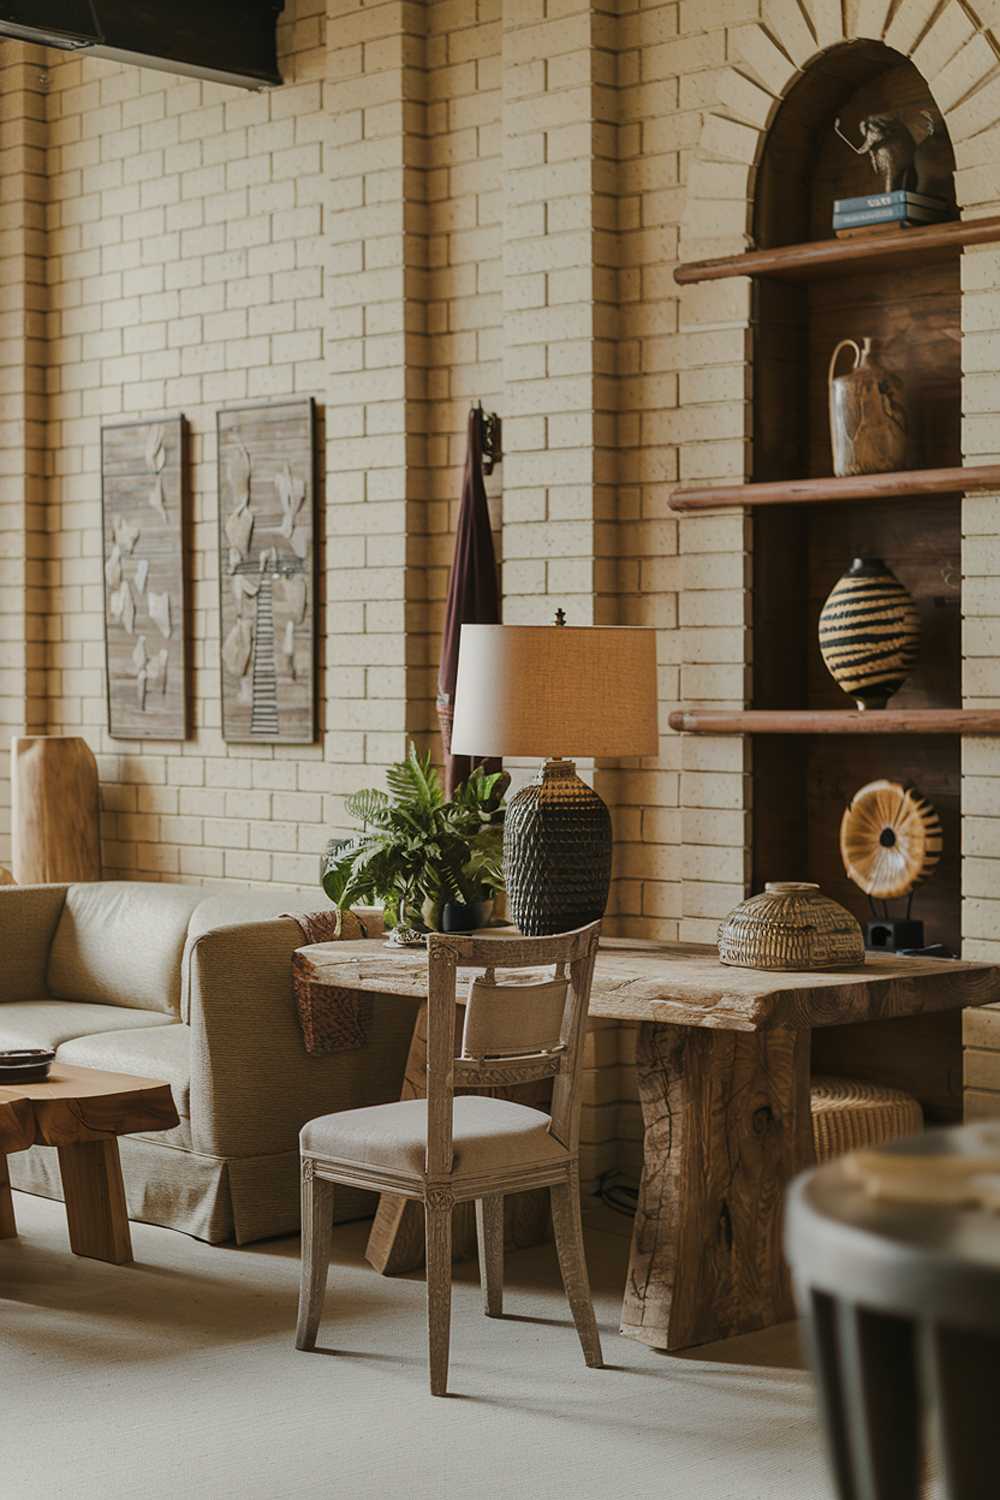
[444,1150]
[896,1257]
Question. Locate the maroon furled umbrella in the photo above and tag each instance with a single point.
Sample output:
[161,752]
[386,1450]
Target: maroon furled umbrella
[473,595]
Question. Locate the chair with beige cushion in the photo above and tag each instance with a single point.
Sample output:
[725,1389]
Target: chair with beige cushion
[444,1150]
[178,983]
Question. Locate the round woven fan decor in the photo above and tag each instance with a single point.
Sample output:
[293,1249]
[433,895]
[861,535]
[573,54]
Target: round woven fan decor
[890,839]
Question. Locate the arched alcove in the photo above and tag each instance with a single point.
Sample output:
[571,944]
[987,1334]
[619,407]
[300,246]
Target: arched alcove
[804,165]
[913,311]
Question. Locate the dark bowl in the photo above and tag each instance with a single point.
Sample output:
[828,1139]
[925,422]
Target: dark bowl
[25,1064]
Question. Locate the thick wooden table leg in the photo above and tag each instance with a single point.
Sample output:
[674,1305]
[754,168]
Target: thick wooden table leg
[396,1240]
[727,1125]
[95,1201]
[8,1224]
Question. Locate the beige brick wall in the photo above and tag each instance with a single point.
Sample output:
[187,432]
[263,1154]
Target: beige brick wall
[23,407]
[445,201]
[184,267]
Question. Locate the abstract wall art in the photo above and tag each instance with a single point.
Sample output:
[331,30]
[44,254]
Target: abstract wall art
[143,466]
[267,573]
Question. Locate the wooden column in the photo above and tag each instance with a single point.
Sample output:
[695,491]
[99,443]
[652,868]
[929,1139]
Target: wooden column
[56,810]
[727,1126]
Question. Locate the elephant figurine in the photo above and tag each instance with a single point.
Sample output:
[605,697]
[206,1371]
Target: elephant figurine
[890,148]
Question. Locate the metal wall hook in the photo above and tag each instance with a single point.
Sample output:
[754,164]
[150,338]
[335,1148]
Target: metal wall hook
[489,437]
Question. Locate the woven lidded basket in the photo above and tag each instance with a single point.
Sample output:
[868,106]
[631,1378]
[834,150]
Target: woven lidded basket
[848,1115]
[791,925]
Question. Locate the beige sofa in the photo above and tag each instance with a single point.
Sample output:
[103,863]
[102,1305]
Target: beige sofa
[174,982]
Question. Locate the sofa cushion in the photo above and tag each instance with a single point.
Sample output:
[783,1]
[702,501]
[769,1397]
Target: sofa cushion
[28,917]
[119,942]
[49,1023]
[160,1052]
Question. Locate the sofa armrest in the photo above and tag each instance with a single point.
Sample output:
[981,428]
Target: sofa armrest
[29,915]
[253,1085]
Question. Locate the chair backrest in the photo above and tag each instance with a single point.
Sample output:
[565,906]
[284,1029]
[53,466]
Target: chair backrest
[511,1032]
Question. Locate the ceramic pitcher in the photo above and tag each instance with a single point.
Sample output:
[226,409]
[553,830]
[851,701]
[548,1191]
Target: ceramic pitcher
[867,415]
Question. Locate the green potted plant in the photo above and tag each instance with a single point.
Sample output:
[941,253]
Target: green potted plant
[432,863]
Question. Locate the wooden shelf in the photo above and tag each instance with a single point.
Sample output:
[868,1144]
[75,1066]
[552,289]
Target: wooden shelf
[830,491]
[818,258]
[981,721]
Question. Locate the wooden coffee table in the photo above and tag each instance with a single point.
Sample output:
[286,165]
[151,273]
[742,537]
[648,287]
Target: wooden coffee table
[82,1112]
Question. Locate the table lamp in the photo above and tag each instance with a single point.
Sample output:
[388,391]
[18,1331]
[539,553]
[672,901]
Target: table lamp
[530,690]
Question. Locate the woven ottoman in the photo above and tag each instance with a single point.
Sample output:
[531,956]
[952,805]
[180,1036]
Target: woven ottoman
[848,1114]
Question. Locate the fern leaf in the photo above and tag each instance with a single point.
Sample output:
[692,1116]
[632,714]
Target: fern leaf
[368,806]
[415,782]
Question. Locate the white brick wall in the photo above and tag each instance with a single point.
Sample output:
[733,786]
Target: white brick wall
[445,201]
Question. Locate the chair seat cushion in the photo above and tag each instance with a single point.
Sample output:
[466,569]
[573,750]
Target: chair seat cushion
[488,1135]
[49,1023]
[160,1052]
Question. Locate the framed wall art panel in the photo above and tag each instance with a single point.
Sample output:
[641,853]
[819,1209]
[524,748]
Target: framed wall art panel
[143,468]
[267,573]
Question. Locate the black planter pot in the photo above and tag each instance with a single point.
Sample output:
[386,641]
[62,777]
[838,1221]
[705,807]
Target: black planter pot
[458,918]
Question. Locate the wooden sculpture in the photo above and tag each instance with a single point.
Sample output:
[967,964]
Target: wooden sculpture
[890,839]
[56,822]
[890,149]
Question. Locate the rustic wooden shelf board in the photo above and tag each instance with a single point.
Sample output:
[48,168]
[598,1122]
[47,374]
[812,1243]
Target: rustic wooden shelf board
[819,258]
[829,490]
[972,721]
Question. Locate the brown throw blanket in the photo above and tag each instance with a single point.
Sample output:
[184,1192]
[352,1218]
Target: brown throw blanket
[332,1019]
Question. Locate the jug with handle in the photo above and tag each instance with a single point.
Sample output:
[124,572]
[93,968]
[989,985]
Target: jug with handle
[868,428]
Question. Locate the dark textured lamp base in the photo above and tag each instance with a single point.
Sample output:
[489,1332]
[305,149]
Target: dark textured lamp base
[556,852]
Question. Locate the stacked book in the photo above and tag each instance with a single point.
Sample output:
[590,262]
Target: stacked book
[877,212]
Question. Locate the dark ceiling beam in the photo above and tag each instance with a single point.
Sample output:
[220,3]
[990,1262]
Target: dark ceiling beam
[228,41]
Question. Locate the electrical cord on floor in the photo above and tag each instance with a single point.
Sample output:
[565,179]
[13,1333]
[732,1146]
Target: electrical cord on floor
[618,1192]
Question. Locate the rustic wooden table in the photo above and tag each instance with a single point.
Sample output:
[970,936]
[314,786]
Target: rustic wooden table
[82,1112]
[724,1075]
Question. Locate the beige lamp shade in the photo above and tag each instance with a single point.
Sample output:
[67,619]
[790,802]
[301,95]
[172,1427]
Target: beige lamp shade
[555,690]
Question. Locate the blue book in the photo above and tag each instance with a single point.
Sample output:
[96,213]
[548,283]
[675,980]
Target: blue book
[900,214]
[889,200]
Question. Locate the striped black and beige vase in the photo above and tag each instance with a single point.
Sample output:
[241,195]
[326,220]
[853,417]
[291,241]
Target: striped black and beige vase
[869,632]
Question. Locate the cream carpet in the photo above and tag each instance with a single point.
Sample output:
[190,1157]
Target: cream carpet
[176,1377]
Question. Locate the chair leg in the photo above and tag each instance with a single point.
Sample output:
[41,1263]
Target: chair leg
[438,1221]
[878,1356]
[568,1227]
[317,1231]
[489,1238]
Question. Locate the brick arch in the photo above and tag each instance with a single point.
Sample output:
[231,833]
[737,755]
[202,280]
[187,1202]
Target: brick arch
[958,58]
